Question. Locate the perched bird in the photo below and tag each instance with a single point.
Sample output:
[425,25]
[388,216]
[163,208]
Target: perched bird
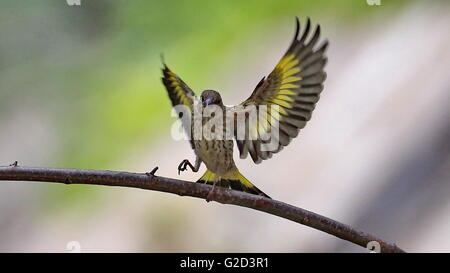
[290,94]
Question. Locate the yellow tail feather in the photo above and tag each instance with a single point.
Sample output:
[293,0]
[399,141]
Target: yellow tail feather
[234,180]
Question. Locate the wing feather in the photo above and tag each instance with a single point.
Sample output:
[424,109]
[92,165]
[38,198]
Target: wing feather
[180,94]
[293,87]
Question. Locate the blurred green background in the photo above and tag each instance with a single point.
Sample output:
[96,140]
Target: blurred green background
[94,69]
[80,88]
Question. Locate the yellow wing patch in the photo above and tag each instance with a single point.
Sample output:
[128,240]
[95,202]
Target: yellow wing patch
[281,103]
[290,93]
[291,79]
[178,91]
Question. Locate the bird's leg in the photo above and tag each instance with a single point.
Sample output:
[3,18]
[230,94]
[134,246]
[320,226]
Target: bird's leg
[211,192]
[185,163]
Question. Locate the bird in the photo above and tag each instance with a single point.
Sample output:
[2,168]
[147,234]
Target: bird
[290,92]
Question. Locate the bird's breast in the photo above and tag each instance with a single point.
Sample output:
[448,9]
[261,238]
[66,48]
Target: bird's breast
[216,154]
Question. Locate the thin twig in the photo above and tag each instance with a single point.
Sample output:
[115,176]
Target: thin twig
[150,181]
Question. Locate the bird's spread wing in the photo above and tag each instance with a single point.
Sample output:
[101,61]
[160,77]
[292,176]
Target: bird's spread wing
[182,98]
[290,93]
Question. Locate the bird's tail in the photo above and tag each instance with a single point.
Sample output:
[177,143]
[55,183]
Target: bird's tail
[234,180]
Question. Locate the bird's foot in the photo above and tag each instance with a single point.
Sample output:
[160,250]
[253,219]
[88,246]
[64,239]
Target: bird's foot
[183,166]
[211,193]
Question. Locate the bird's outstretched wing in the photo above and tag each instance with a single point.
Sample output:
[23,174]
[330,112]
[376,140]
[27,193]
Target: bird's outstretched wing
[181,95]
[290,92]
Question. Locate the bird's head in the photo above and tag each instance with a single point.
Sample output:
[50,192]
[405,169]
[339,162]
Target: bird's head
[211,97]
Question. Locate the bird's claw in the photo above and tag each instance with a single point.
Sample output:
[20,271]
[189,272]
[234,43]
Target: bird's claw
[211,194]
[183,166]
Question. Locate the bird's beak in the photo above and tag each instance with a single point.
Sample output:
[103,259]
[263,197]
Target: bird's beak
[207,102]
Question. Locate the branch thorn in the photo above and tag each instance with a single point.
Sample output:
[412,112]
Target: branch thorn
[152,173]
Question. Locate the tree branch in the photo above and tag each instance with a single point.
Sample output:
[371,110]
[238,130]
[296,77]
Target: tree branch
[150,181]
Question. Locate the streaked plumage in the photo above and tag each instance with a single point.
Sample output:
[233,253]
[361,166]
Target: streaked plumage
[293,86]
